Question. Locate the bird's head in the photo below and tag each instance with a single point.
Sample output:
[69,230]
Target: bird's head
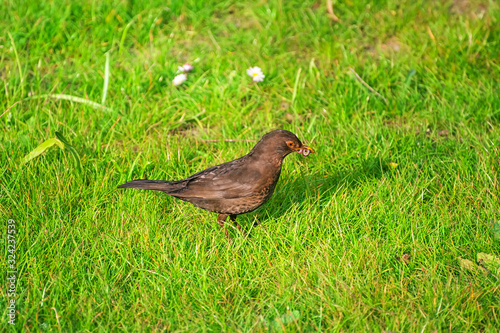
[282,142]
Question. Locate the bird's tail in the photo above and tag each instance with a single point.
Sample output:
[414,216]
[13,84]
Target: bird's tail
[155,185]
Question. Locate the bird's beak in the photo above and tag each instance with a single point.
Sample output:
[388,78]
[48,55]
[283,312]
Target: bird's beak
[304,150]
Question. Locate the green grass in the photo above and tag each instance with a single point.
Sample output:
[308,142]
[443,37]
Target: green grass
[324,256]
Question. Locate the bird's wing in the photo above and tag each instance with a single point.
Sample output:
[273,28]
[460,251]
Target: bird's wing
[225,181]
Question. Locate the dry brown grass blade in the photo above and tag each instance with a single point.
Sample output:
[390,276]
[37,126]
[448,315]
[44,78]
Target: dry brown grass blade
[329,8]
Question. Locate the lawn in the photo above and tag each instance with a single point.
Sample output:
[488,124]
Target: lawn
[384,228]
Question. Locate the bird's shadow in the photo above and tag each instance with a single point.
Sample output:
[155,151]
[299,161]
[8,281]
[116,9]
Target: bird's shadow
[293,191]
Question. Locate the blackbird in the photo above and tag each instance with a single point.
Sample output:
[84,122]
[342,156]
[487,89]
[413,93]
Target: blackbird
[235,187]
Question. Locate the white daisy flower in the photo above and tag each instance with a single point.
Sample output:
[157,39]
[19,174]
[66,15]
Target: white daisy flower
[256,74]
[185,68]
[179,79]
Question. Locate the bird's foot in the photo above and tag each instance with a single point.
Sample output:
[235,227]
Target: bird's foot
[221,219]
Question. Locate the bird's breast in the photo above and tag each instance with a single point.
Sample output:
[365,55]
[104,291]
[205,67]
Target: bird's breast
[270,176]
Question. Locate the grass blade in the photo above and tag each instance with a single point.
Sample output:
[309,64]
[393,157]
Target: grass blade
[106,79]
[41,149]
[70,148]
[17,62]
[72,99]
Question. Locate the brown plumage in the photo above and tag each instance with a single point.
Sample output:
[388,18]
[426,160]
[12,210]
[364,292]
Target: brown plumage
[235,187]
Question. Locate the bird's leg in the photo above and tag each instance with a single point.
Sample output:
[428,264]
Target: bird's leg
[232,217]
[222,219]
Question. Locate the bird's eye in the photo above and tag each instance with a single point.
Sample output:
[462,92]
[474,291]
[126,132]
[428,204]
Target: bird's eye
[290,144]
